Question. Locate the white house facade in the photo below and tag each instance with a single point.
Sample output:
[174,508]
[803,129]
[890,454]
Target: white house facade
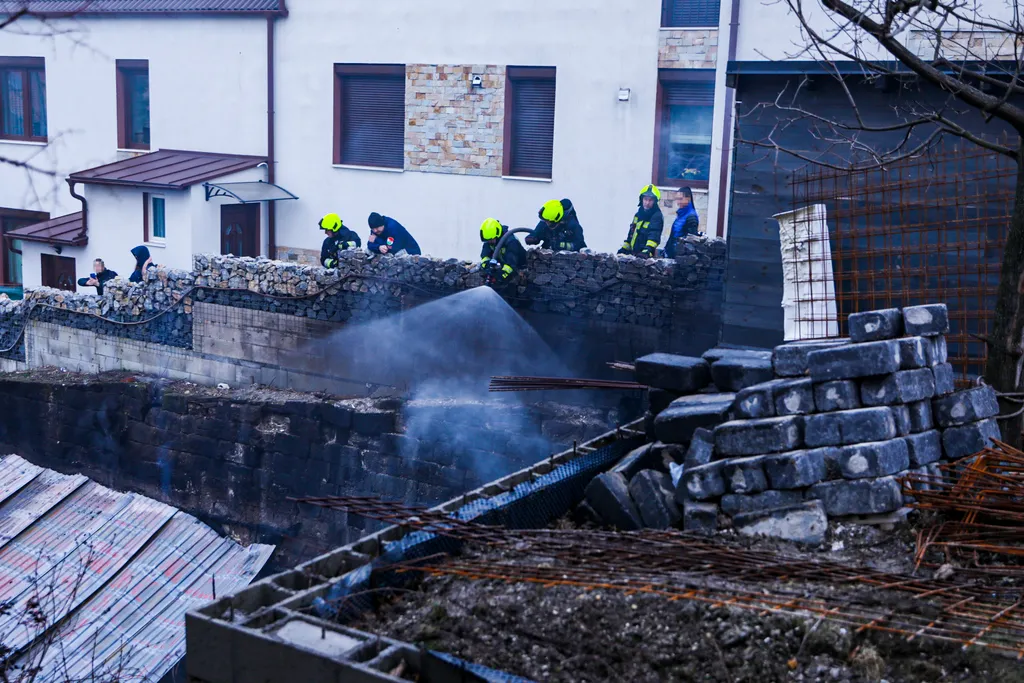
[438,116]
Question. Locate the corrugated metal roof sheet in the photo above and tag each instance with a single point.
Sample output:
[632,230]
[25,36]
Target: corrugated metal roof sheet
[67,230]
[116,572]
[168,169]
[93,7]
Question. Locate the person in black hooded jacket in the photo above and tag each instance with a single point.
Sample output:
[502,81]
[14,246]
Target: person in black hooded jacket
[142,262]
[644,234]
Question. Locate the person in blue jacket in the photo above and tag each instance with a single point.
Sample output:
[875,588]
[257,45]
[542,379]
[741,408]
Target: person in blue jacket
[687,221]
[388,236]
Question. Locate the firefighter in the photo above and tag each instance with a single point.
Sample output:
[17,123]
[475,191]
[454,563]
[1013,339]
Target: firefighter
[559,229]
[388,236]
[500,268]
[339,238]
[645,231]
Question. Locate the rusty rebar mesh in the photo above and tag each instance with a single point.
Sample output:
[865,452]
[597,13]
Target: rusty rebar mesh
[679,565]
[924,230]
[521,383]
[982,501]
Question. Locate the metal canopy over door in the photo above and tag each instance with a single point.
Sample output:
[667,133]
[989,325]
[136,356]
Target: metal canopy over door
[58,272]
[240,229]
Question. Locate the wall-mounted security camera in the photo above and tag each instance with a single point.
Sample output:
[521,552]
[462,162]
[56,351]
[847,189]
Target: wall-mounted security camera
[478,82]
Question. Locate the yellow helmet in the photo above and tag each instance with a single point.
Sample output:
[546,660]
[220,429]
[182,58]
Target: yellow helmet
[331,222]
[651,191]
[491,230]
[552,211]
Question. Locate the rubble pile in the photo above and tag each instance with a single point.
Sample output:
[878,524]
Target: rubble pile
[824,430]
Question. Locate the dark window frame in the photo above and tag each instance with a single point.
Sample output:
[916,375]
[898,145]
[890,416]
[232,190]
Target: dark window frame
[50,263]
[698,10]
[661,120]
[125,68]
[514,74]
[341,73]
[20,215]
[27,66]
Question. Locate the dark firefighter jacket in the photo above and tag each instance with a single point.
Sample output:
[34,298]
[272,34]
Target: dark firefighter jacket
[686,223]
[338,242]
[396,237]
[102,279]
[644,232]
[512,257]
[565,236]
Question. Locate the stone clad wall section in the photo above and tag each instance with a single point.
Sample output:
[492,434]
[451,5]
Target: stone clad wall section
[451,126]
[681,48]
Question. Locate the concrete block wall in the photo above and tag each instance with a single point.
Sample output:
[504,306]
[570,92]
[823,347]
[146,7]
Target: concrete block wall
[233,459]
[681,48]
[451,126]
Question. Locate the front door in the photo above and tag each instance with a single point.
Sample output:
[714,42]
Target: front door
[58,272]
[240,229]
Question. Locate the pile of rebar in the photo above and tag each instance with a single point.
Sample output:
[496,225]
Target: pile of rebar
[682,566]
[558,383]
[982,501]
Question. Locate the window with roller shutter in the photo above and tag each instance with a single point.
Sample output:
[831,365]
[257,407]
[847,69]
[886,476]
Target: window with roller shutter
[369,115]
[685,116]
[689,13]
[529,121]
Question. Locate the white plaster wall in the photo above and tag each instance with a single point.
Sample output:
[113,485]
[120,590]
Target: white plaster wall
[207,92]
[205,215]
[603,149]
[31,264]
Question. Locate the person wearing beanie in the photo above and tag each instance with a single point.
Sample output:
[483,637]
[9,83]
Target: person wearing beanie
[388,236]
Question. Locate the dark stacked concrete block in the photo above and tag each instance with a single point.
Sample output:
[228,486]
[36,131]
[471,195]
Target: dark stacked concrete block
[937,350]
[920,416]
[860,497]
[965,406]
[755,437]
[703,482]
[901,416]
[745,475]
[794,397]
[913,352]
[790,360]
[797,469]
[872,326]
[924,448]
[733,372]
[854,361]
[849,427]
[757,401]
[800,523]
[608,496]
[759,502]
[681,374]
[944,381]
[905,386]
[959,442]
[928,320]
[876,459]
[701,448]
[701,518]
[677,423]
[843,394]
[654,496]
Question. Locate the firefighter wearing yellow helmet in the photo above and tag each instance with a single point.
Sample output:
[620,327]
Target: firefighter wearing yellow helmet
[558,229]
[339,238]
[499,267]
[645,231]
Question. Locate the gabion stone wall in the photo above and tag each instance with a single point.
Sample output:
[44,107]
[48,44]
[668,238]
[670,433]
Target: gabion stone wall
[670,298]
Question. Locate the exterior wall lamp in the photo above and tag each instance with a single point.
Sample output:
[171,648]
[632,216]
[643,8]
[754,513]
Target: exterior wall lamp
[623,94]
